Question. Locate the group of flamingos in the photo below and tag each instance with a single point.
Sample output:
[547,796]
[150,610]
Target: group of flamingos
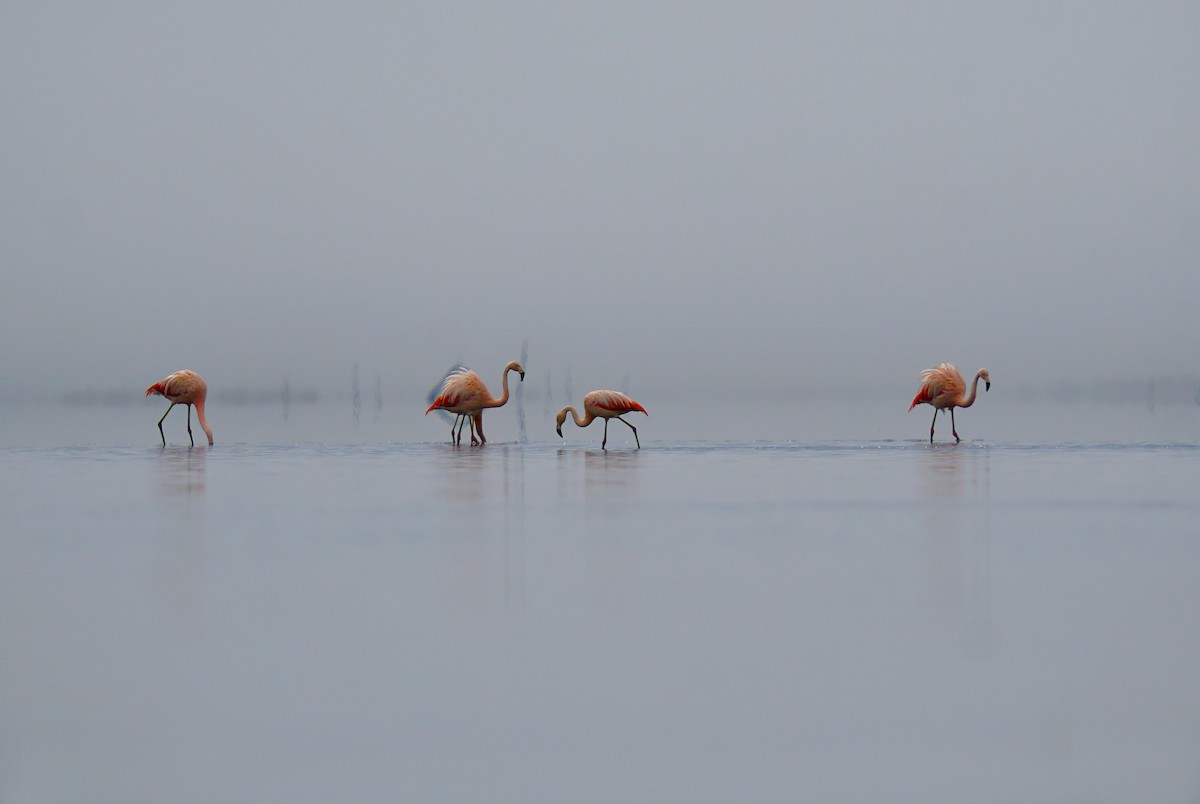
[464,394]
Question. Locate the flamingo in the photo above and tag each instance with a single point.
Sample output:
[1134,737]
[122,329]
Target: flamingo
[465,395]
[602,405]
[944,387]
[183,388]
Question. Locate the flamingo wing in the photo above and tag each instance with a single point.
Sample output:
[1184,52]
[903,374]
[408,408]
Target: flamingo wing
[182,386]
[944,381]
[459,390]
[922,396]
[610,403]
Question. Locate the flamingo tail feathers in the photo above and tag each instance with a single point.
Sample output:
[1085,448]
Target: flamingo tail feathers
[623,406]
[617,403]
[157,388]
[443,401]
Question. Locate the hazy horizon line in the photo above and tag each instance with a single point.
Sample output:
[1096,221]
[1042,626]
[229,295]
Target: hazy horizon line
[1169,390]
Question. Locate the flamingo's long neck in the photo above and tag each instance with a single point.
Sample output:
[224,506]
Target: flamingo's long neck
[970,400]
[497,403]
[199,405]
[587,419]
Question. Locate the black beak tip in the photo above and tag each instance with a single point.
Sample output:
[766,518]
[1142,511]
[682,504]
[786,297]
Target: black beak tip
[987,386]
[559,431]
[522,376]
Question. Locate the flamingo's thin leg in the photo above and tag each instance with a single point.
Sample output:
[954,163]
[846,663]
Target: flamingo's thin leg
[160,421]
[953,428]
[479,427]
[932,425]
[634,429]
[463,421]
[189,407]
[457,416]
[604,441]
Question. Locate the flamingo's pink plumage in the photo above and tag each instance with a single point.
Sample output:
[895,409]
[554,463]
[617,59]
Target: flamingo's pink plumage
[944,387]
[602,405]
[183,388]
[464,394]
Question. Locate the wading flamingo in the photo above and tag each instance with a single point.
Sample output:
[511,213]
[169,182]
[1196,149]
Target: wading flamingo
[183,388]
[465,395]
[944,387]
[602,405]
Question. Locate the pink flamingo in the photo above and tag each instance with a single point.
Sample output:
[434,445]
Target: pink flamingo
[602,405]
[465,395]
[183,388]
[944,387]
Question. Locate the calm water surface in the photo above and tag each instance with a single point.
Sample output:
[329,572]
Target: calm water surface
[286,619]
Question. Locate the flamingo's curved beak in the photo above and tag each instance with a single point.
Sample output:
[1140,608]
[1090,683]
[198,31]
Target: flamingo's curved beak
[559,430]
[987,385]
[522,373]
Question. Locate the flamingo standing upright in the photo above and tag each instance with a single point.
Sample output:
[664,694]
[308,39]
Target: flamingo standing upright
[465,395]
[944,387]
[602,405]
[183,388]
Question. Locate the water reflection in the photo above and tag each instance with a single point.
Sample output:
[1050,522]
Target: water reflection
[951,471]
[484,535]
[955,491]
[461,470]
[178,571]
[180,472]
[513,474]
[612,470]
[602,471]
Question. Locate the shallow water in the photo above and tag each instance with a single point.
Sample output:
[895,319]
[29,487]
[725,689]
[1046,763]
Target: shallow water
[326,618]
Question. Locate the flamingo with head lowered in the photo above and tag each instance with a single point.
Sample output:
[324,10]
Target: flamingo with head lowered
[602,405]
[465,395]
[183,388]
[944,387]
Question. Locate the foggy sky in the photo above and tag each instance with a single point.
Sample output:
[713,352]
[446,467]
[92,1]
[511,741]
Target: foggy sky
[692,195]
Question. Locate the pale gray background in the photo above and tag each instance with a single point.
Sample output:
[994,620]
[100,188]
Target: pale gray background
[677,196]
[785,201]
